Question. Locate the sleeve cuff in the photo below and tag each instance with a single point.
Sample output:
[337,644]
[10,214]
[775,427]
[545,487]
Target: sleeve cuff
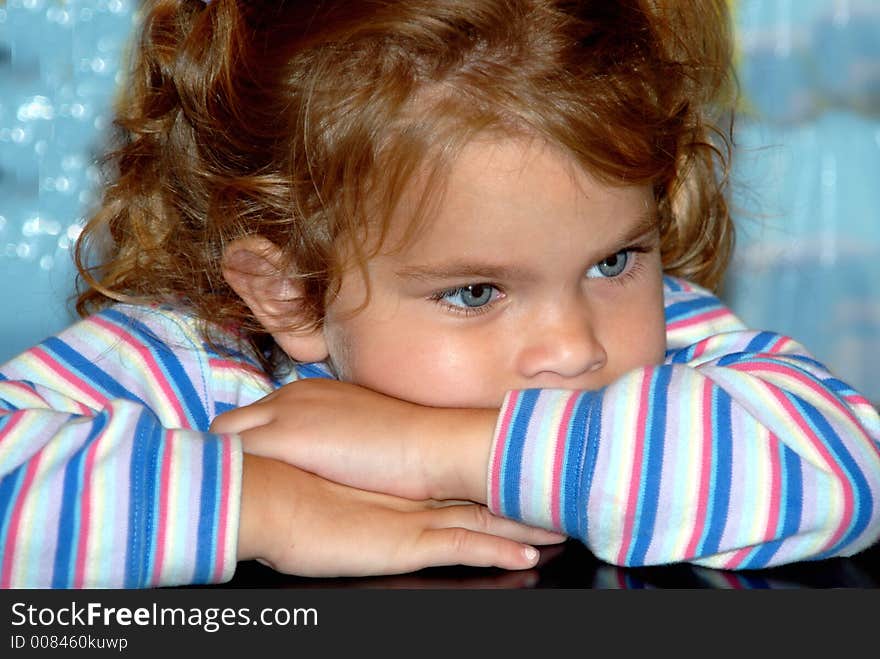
[196,509]
[536,458]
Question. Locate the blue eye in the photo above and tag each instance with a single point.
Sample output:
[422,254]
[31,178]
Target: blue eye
[472,296]
[612,266]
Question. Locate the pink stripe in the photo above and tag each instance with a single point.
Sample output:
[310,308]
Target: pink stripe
[698,319]
[227,365]
[15,416]
[86,511]
[28,391]
[857,399]
[738,557]
[78,383]
[705,472]
[162,516]
[149,360]
[775,489]
[31,391]
[223,521]
[803,426]
[84,410]
[848,496]
[809,384]
[501,439]
[635,480]
[775,504]
[82,545]
[779,345]
[558,457]
[12,533]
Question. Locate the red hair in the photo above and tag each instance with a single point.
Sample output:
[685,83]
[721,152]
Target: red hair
[303,122]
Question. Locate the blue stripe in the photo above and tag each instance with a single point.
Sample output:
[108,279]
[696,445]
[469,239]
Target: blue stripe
[790,508]
[652,467]
[228,353]
[170,365]
[681,356]
[688,308]
[583,450]
[313,370]
[151,506]
[838,386]
[761,341]
[144,482]
[672,284]
[10,486]
[95,376]
[793,492]
[722,472]
[512,464]
[220,407]
[808,360]
[206,543]
[862,499]
[69,518]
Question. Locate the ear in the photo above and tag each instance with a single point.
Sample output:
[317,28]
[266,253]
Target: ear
[253,267]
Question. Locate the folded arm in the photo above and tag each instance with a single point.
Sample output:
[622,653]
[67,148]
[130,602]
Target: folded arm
[110,477]
[93,462]
[741,451]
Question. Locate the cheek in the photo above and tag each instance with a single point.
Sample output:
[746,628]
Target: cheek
[637,335]
[645,341]
[650,344]
[420,365]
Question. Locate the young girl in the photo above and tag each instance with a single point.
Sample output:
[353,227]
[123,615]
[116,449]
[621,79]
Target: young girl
[366,266]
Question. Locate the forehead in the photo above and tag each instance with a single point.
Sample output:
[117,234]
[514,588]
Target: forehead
[505,195]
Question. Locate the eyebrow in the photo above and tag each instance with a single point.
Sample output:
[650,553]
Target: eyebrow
[461,269]
[646,223]
[467,269]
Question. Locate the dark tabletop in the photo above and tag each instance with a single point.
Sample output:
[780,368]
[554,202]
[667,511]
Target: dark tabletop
[571,565]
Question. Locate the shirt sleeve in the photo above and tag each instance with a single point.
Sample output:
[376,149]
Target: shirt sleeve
[739,451]
[108,476]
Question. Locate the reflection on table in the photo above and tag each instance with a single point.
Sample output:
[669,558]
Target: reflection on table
[571,565]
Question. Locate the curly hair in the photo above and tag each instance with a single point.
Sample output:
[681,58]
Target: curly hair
[303,122]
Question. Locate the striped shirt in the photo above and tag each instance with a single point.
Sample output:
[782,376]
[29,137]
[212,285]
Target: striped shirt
[739,451]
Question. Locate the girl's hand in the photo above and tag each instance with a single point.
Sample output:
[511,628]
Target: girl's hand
[353,435]
[299,523]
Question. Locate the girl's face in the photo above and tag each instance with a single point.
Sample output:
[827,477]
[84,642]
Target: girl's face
[532,275]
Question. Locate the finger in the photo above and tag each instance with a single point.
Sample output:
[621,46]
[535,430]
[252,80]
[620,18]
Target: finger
[241,419]
[450,546]
[478,518]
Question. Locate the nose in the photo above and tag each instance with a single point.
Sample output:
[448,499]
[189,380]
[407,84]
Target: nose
[562,342]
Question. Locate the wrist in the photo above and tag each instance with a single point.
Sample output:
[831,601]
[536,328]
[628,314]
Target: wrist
[457,453]
[255,524]
[248,518]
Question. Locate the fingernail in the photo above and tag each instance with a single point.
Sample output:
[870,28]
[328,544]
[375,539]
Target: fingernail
[531,554]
